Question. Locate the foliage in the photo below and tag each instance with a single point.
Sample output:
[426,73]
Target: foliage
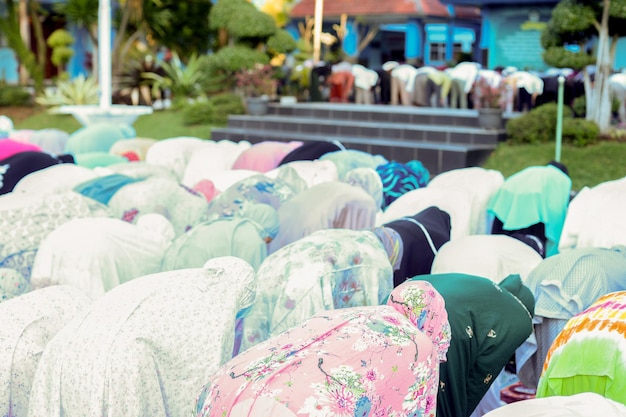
[559,57]
[9,26]
[233,58]
[579,106]
[257,81]
[13,95]
[281,43]
[491,96]
[197,113]
[181,26]
[580,132]
[213,111]
[60,41]
[536,126]
[80,90]
[184,81]
[83,13]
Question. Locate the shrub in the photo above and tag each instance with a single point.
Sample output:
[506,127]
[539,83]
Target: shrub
[536,126]
[579,105]
[80,90]
[198,113]
[13,95]
[215,110]
[580,132]
[225,104]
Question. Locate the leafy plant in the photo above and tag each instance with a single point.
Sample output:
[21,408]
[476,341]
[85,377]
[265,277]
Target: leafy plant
[60,41]
[13,95]
[580,132]
[184,81]
[80,90]
[215,110]
[536,126]
[257,81]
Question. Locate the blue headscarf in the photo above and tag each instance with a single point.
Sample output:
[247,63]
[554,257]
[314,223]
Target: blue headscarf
[399,178]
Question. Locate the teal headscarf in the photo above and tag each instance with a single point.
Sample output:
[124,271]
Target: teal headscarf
[264,217]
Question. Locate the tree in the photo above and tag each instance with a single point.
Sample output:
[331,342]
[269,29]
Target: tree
[577,22]
[10,27]
[84,14]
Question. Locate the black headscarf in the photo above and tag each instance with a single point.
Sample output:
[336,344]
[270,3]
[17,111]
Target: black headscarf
[418,255]
[16,167]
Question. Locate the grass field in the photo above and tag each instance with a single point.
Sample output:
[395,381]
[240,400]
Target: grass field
[588,166]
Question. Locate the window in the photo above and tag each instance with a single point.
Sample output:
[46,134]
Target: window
[437,51]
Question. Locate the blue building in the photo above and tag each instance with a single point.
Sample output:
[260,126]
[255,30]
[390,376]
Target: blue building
[409,31]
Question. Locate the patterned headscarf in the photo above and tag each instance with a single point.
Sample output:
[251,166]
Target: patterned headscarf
[399,179]
[392,241]
[420,302]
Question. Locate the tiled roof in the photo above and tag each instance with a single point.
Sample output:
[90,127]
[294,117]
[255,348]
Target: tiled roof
[335,8]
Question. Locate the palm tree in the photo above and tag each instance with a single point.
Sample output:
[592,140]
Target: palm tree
[84,14]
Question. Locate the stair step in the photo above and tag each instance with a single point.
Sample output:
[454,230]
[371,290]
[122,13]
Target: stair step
[382,113]
[351,128]
[437,157]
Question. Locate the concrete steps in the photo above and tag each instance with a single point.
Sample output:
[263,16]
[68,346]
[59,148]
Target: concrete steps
[442,139]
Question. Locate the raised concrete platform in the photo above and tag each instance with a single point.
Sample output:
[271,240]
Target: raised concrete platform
[442,139]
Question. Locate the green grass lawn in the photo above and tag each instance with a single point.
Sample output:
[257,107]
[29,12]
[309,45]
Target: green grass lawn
[588,166]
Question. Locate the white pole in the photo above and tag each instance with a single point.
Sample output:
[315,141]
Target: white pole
[104,53]
[317,30]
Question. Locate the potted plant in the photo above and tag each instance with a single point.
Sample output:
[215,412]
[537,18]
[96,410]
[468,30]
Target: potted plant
[257,85]
[490,110]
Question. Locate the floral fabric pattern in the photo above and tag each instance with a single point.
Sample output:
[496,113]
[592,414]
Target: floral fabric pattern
[146,347]
[386,368]
[164,196]
[425,308]
[29,322]
[329,269]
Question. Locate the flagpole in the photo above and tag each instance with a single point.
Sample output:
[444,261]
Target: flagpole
[104,53]
[317,30]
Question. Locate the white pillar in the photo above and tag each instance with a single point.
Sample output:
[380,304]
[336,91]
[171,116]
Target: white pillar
[317,30]
[104,53]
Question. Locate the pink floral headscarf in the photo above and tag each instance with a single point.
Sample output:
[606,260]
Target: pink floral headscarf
[420,302]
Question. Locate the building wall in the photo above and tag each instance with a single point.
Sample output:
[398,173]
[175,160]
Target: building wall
[512,36]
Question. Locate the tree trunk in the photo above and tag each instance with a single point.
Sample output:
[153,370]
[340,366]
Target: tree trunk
[601,102]
[25,34]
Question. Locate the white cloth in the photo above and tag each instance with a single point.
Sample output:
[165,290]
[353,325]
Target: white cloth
[364,78]
[405,73]
[174,153]
[466,72]
[480,183]
[138,169]
[54,179]
[312,172]
[212,159]
[490,256]
[98,254]
[330,205]
[225,179]
[524,79]
[146,347]
[595,217]
[587,404]
[183,207]
[28,323]
[456,202]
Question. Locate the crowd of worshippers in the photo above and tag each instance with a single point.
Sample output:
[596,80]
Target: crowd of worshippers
[284,279]
[465,85]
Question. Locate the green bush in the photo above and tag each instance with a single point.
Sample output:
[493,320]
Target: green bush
[579,105]
[198,113]
[13,95]
[214,111]
[225,104]
[580,132]
[536,126]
